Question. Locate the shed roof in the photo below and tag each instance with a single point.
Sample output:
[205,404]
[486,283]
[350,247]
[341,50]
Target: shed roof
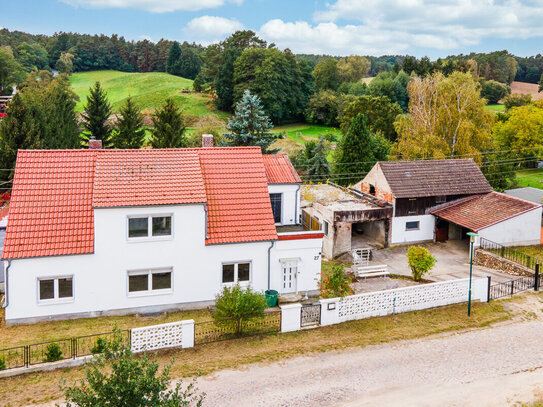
[414,179]
[279,169]
[481,211]
[531,194]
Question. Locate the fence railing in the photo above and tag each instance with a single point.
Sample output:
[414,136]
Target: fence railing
[509,253]
[518,285]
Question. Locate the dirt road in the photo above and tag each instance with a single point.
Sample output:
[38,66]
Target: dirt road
[491,367]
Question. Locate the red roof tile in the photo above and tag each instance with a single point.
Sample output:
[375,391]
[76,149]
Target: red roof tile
[279,169]
[239,207]
[147,177]
[51,210]
[481,211]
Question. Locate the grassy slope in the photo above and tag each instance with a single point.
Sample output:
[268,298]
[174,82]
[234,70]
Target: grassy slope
[530,178]
[149,90]
[498,107]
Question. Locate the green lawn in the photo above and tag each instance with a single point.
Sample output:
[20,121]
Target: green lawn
[530,178]
[496,107]
[301,133]
[149,90]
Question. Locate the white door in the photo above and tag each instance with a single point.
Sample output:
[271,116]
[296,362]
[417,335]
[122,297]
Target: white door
[289,272]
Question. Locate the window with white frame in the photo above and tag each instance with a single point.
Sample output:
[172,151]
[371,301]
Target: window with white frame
[414,225]
[276,203]
[233,273]
[325,228]
[149,226]
[150,281]
[55,288]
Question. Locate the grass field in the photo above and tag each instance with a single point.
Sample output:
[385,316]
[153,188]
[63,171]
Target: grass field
[530,178]
[498,107]
[300,133]
[149,90]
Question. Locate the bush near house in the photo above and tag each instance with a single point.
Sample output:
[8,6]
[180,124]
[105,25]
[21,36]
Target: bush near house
[420,261]
[100,346]
[53,353]
[335,282]
[235,306]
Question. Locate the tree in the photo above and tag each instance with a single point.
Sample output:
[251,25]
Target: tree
[358,150]
[235,307]
[323,108]
[172,66]
[318,165]
[540,84]
[95,116]
[522,132]
[32,56]
[494,91]
[381,114]
[326,74]
[447,118]
[420,261]
[168,127]
[392,85]
[65,63]
[250,126]
[11,71]
[335,283]
[118,379]
[516,100]
[353,68]
[130,132]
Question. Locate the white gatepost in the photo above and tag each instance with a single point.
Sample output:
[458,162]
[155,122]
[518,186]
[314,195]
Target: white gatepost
[188,333]
[291,317]
[329,311]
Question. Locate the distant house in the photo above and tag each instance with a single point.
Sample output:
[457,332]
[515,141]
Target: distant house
[530,194]
[96,232]
[419,192]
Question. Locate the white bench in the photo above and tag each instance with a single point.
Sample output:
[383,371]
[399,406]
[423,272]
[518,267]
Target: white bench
[372,271]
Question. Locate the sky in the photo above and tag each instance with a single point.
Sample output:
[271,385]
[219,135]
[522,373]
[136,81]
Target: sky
[434,28]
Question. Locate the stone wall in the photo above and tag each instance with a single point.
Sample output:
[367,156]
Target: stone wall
[493,261]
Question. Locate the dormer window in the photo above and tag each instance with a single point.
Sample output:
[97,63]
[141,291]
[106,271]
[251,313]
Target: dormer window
[149,226]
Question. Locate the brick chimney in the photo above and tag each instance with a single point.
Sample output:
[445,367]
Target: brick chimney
[207,140]
[94,144]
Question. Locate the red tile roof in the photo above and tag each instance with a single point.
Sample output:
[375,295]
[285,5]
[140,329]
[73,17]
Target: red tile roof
[239,206]
[156,177]
[279,169]
[481,211]
[50,208]
[54,192]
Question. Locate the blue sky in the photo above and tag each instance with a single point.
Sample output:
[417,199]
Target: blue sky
[339,27]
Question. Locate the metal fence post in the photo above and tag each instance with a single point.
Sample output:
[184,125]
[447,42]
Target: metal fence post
[512,287]
[536,278]
[74,348]
[27,355]
[488,289]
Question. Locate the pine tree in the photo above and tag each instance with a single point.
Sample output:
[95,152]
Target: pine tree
[95,116]
[318,166]
[172,64]
[358,151]
[250,126]
[169,127]
[20,129]
[62,127]
[130,131]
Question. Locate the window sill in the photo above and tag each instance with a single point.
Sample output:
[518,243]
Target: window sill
[240,283]
[411,230]
[149,239]
[56,301]
[153,293]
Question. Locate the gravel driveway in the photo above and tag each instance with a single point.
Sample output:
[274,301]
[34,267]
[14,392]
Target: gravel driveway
[476,368]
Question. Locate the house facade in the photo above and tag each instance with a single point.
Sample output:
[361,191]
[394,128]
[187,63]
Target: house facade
[101,232]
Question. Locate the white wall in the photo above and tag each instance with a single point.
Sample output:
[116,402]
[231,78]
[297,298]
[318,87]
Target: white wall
[521,230]
[290,211]
[308,254]
[399,235]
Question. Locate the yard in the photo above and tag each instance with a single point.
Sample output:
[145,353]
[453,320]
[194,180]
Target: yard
[298,134]
[534,251]
[204,359]
[530,177]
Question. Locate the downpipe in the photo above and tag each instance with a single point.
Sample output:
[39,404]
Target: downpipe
[269,263]
[297,200]
[6,297]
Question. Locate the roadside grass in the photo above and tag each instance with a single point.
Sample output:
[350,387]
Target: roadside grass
[148,90]
[204,359]
[496,107]
[534,250]
[530,178]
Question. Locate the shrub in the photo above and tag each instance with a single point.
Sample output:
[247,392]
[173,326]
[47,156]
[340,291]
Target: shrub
[2,364]
[53,353]
[335,283]
[420,261]
[100,346]
[238,306]
[516,100]
[494,91]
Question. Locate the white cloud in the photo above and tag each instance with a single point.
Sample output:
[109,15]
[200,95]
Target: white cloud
[155,6]
[395,26]
[211,27]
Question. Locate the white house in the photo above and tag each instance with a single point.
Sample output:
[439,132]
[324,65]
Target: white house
[96,232]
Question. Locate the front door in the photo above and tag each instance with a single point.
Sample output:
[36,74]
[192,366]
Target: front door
[288,283]
[442,231]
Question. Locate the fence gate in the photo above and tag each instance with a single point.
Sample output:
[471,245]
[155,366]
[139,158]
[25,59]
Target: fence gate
[512,287]
[311,315]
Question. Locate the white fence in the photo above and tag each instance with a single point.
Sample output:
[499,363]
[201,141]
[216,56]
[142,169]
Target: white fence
[337,310]
[174,334]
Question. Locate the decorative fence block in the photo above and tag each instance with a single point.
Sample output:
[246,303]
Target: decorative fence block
[174,334]
[404,299]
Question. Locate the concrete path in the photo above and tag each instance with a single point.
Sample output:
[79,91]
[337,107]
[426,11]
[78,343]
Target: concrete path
[452,262]
[491,367]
